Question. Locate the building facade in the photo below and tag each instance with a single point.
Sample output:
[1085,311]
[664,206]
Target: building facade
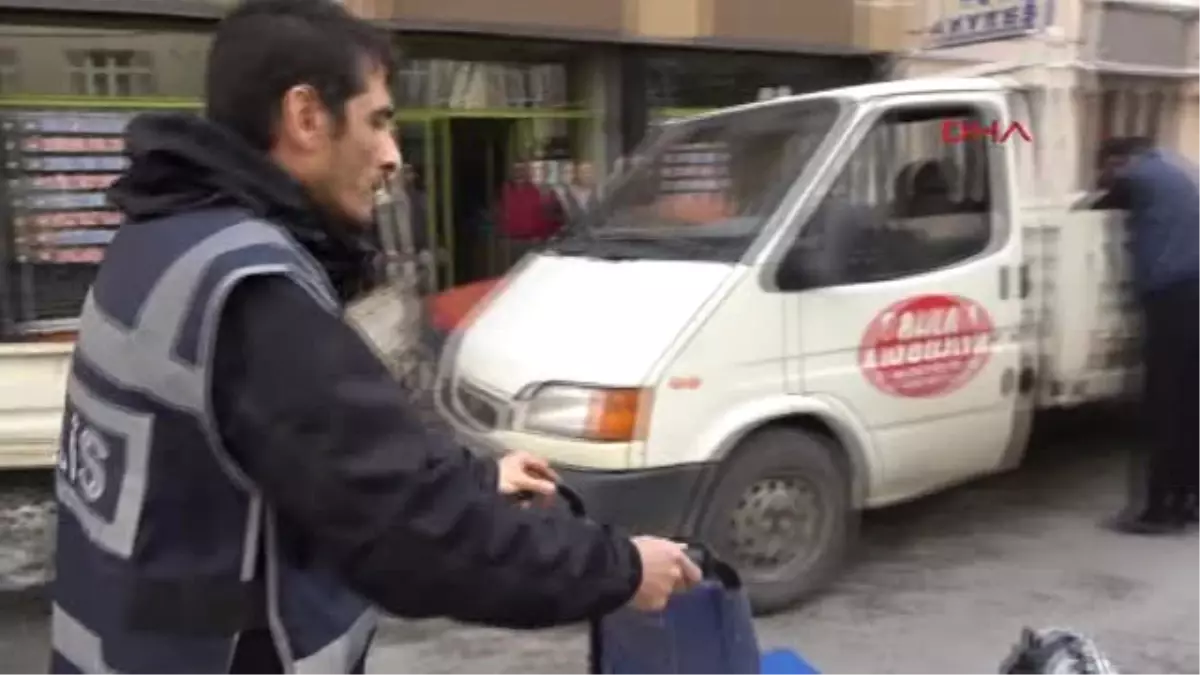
[484,85]
[1120,67]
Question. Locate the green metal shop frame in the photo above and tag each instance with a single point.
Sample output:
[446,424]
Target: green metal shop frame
[97,103]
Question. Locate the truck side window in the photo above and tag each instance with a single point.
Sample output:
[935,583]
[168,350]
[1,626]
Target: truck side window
[907,201]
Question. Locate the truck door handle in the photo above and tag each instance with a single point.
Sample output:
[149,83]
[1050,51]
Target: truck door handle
[1026,284]
[1004,282]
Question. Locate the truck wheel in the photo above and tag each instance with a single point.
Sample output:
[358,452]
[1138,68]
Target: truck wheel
[781,513]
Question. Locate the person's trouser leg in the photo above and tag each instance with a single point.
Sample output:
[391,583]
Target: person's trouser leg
[1185,299]
[1169,407]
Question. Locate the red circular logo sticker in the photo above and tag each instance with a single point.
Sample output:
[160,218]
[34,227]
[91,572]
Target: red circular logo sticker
[925,346]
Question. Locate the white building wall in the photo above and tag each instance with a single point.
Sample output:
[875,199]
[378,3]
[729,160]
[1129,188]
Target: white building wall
[1091,98]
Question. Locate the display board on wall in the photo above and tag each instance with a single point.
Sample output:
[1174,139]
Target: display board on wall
[695,168]
[55,220]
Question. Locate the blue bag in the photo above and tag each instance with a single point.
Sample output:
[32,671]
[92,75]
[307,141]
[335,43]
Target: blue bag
[708,629]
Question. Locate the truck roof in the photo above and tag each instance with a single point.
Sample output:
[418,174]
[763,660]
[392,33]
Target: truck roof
[919,85]
[862,92]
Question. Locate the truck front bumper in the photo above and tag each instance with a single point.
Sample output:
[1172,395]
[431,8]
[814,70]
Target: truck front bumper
[662,501]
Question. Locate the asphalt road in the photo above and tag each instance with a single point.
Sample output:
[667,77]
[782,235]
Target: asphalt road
[942,585]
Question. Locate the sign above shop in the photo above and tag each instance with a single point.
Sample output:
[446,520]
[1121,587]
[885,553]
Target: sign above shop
[970,21]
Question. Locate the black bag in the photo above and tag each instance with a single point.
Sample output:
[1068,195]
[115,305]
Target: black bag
[1055,650]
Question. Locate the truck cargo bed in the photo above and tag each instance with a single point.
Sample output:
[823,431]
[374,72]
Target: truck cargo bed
[1081,306]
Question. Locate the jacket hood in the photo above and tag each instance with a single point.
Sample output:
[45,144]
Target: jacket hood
[180,162]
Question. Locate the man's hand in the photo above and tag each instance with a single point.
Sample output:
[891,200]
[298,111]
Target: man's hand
[523,472]
[666,569]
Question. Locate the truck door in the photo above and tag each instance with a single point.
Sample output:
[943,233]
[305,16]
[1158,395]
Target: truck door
[907,297]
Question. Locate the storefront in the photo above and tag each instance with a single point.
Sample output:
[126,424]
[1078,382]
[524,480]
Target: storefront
[473,105]
[67,92]
[471,111]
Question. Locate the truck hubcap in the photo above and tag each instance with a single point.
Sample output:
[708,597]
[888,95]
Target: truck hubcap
[775,524]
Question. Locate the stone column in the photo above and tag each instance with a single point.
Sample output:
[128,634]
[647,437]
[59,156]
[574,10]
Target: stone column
[1187,141]
[598,85]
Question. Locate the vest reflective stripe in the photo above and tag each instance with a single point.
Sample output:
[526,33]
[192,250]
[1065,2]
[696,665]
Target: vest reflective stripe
[75,643]
[337,655]
[130,357]
[343,653]
[142,359]
[138,391]
[84,449]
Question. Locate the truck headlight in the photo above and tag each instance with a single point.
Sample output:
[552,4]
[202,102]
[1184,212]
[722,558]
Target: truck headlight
[588,413]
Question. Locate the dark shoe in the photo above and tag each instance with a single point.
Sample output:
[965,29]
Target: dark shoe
[1147,524]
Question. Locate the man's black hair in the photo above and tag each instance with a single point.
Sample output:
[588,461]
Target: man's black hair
[1124,146]
[263,48]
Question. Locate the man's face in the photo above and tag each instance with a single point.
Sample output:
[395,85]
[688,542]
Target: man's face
[1109,168]
[520,173]
[341,166]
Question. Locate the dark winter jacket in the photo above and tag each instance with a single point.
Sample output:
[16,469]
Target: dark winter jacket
[1161,196]
[413,521]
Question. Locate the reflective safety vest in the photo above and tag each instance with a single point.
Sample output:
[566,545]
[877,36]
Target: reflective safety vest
[167,552]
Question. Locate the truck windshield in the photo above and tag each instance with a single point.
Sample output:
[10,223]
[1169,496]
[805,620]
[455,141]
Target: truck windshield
[703,189]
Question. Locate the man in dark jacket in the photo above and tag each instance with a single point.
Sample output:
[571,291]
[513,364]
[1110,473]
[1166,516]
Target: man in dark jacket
[1160,194]
[239,480]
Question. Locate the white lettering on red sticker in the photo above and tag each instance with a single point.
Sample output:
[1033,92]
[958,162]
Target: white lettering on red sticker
[926,346]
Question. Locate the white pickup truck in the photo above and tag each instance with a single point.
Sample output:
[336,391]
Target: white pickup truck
[787,312]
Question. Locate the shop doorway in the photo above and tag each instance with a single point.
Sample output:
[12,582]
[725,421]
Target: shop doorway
[481,153]
[461,161]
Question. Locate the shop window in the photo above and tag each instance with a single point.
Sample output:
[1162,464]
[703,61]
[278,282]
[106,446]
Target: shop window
[905,203]
[700,79]
[111,72]
[445,83]
[10,72]
[413,80]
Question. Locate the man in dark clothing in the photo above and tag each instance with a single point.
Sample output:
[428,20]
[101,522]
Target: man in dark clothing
[1160,194]
[239,478]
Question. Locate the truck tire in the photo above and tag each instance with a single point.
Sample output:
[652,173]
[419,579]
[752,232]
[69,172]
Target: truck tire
[781,513]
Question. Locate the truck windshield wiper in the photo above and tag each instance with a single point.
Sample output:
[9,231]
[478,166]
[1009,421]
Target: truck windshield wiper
[631,246]
[608,249]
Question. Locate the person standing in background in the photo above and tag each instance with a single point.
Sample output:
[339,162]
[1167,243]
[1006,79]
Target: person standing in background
[526,213]
[1160,194]
[583,187]
[575,192]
